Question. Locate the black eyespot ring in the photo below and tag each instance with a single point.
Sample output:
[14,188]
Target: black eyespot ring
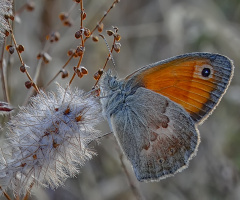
[206,72]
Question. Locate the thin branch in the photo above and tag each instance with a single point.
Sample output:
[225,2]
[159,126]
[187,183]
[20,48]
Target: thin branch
[5,194]
[108,58]
[28,192]
[103,17]
[135,189]
[70,58]
[4,83]
[83,41]
[21,60]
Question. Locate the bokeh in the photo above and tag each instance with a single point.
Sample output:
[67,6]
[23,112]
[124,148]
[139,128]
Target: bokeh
[151,31]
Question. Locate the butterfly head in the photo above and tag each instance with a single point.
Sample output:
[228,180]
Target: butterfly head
[110,87]
[109,83]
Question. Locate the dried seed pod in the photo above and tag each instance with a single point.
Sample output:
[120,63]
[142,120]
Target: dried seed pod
[78,34]
[34,156]
[95,38]
[78,72]
[67,111]
[64,73]
[23,68]
[100,27]
[6,16]
[20,48]
[84,15]
[51,39]
[70,52]
[98,74]
[56,36]
[28,84]
[80,50]
[8,46]
[115,29]
[117,37]
[116,47]
[47,37]
[11,17]
[96,92]
[67,22]
[30,6]
[46,57]
[23,164]
[110,32]
[10,49]
[39,56]
[87,32]
[55,145]
[6,33]
[78,118]
[63,16]
[75,55]
[83,70]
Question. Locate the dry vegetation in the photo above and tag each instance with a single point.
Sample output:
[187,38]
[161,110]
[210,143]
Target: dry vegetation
[150,31]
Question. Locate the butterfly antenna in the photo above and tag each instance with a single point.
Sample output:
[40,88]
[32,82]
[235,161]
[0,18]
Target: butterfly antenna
[110,56]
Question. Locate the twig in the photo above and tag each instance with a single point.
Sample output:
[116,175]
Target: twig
[21,60]
[70,58]
[103,17]
[81,37]
[135,189]
[79,62]
[5,194]
[108,57]
[4,86]
[28,192]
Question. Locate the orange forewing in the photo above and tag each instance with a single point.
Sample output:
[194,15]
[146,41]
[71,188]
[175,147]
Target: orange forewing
[181,81]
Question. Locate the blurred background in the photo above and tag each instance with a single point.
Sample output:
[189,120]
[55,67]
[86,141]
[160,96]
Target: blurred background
[151,31]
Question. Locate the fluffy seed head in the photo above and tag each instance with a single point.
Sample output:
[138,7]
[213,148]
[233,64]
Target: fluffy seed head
[5,10]
[49,139]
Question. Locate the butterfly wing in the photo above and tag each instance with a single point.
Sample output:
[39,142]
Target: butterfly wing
[157,135]
[197,81]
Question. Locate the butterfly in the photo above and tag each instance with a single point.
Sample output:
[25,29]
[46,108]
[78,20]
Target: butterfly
[155,111]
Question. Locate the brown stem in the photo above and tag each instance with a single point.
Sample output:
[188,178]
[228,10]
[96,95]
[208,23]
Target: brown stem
[70,58]
[110,53]
[4,86]
[81,20]
[83,40]
[28,192]
[134,187]
[21,60]
[79,62]
[103,17]
[81,37]
[5,194]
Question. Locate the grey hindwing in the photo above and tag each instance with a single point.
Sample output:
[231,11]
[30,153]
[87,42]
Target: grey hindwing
[157,135]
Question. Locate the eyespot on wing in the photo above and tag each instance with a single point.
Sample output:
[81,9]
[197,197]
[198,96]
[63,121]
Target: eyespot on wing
[196,81]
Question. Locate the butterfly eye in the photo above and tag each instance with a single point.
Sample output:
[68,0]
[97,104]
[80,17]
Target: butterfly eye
[113,83]
[206,72]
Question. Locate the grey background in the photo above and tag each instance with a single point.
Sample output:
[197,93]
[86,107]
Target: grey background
[151,31]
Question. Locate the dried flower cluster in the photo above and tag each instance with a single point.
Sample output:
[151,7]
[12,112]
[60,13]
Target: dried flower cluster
[5,10]
[48,140]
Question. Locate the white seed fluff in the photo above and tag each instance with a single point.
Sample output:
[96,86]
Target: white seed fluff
[48,140]
[5,9]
